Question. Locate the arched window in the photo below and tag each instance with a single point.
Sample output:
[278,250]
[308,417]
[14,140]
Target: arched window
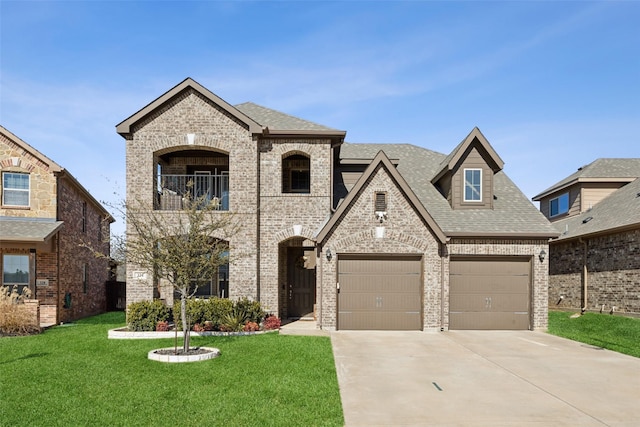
[296,174]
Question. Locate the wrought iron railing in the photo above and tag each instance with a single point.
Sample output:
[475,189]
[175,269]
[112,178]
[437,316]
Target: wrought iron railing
[174,191]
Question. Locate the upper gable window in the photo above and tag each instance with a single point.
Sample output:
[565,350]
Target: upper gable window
[473,185]
[559,205]
[296,174]
[15,189]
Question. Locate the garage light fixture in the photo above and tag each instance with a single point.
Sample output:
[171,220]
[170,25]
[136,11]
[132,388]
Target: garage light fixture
[328,254]
[542,255]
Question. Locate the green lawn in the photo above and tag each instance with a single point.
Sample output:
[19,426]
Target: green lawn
[617,333]
[73,375]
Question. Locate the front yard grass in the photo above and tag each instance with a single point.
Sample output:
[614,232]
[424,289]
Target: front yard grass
[617,333]
[73,375]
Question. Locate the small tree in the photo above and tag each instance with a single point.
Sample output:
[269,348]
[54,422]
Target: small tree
[182,247]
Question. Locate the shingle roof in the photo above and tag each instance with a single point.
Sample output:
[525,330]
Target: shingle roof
[603,168]
[28,229]
[273,119]
[513,214]
[619,210]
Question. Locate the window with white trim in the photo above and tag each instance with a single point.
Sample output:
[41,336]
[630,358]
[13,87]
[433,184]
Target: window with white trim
[473,185]
[559,205]
[15,189]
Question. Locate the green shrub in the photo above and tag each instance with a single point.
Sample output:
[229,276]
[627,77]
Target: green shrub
[252,309]
[201,311]
[145,315]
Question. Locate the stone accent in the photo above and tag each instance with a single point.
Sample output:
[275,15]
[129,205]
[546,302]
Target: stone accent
[42,181]
[612,272]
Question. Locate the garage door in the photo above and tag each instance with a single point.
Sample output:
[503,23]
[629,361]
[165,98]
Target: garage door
[488,293]
[380,293]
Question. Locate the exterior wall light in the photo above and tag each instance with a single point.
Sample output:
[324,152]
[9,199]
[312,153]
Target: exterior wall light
[542,255]
[328,254]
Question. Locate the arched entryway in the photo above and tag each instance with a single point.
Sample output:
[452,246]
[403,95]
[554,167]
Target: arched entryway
[297,271]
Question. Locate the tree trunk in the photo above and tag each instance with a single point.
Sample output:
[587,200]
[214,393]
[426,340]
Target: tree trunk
[185,325]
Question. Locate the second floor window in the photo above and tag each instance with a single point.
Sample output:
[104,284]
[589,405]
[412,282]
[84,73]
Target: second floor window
[559,205]
[296,174]
[473,185]
[15,189]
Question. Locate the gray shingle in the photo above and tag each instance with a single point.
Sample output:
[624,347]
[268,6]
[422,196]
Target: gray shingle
[599,168]
[28,229]
[513,213]
[620,209]
[276,119]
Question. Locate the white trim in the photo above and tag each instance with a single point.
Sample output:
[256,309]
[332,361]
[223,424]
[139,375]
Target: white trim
[28,190]
[464,185]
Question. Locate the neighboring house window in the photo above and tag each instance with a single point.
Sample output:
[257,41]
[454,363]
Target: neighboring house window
[84,277]
[559,205]
[473,185]
[84,217]
[296,174]
[15,189]
[15,270]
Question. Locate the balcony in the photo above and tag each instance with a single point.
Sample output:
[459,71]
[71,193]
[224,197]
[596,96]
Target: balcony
[175,190]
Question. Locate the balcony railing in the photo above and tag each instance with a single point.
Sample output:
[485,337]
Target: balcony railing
[175,190]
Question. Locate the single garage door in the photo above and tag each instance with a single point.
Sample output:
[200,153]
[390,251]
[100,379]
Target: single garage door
[489,293]
[380,293]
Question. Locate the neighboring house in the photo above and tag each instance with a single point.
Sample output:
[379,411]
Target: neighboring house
[595,262]
[360,236]
[45,215]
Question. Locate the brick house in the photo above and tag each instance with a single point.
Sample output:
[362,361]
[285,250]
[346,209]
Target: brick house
[595,262]
[45,214]
[357,236]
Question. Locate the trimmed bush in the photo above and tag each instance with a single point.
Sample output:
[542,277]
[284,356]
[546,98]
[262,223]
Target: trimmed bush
[252,310]
[271,322]
[145,315]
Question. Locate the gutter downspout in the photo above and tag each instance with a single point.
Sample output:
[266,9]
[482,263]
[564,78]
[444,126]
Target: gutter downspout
[258,177]
[443,248]
[585,274]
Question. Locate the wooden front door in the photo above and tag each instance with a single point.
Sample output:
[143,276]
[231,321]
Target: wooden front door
[301,281]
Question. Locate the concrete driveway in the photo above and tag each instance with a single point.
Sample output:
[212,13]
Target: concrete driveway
[482,378]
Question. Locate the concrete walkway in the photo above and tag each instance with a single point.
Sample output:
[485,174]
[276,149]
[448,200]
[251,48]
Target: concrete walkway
[482,378]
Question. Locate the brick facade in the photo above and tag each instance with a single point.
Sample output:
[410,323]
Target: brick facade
[160,137]
[56,265]
[612,272]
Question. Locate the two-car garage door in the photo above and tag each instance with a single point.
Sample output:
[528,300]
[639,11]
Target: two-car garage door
[489,293]
[385,292]
[380,293]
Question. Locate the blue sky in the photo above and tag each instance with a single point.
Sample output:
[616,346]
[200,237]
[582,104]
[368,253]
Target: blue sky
[552,85]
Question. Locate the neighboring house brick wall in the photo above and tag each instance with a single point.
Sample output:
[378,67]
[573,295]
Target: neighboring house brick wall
[89,299]
[499,247]
[613,272]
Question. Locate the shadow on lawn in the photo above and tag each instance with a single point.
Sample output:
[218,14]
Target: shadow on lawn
[28,356]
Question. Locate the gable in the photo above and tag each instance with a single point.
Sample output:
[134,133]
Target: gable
[359,207]
[166,101]
[473,158]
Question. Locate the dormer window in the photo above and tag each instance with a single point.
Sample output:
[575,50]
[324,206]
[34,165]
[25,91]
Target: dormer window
[473,185]
[559,205]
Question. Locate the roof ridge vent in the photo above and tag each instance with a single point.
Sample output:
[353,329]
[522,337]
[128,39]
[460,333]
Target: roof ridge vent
[587,219]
